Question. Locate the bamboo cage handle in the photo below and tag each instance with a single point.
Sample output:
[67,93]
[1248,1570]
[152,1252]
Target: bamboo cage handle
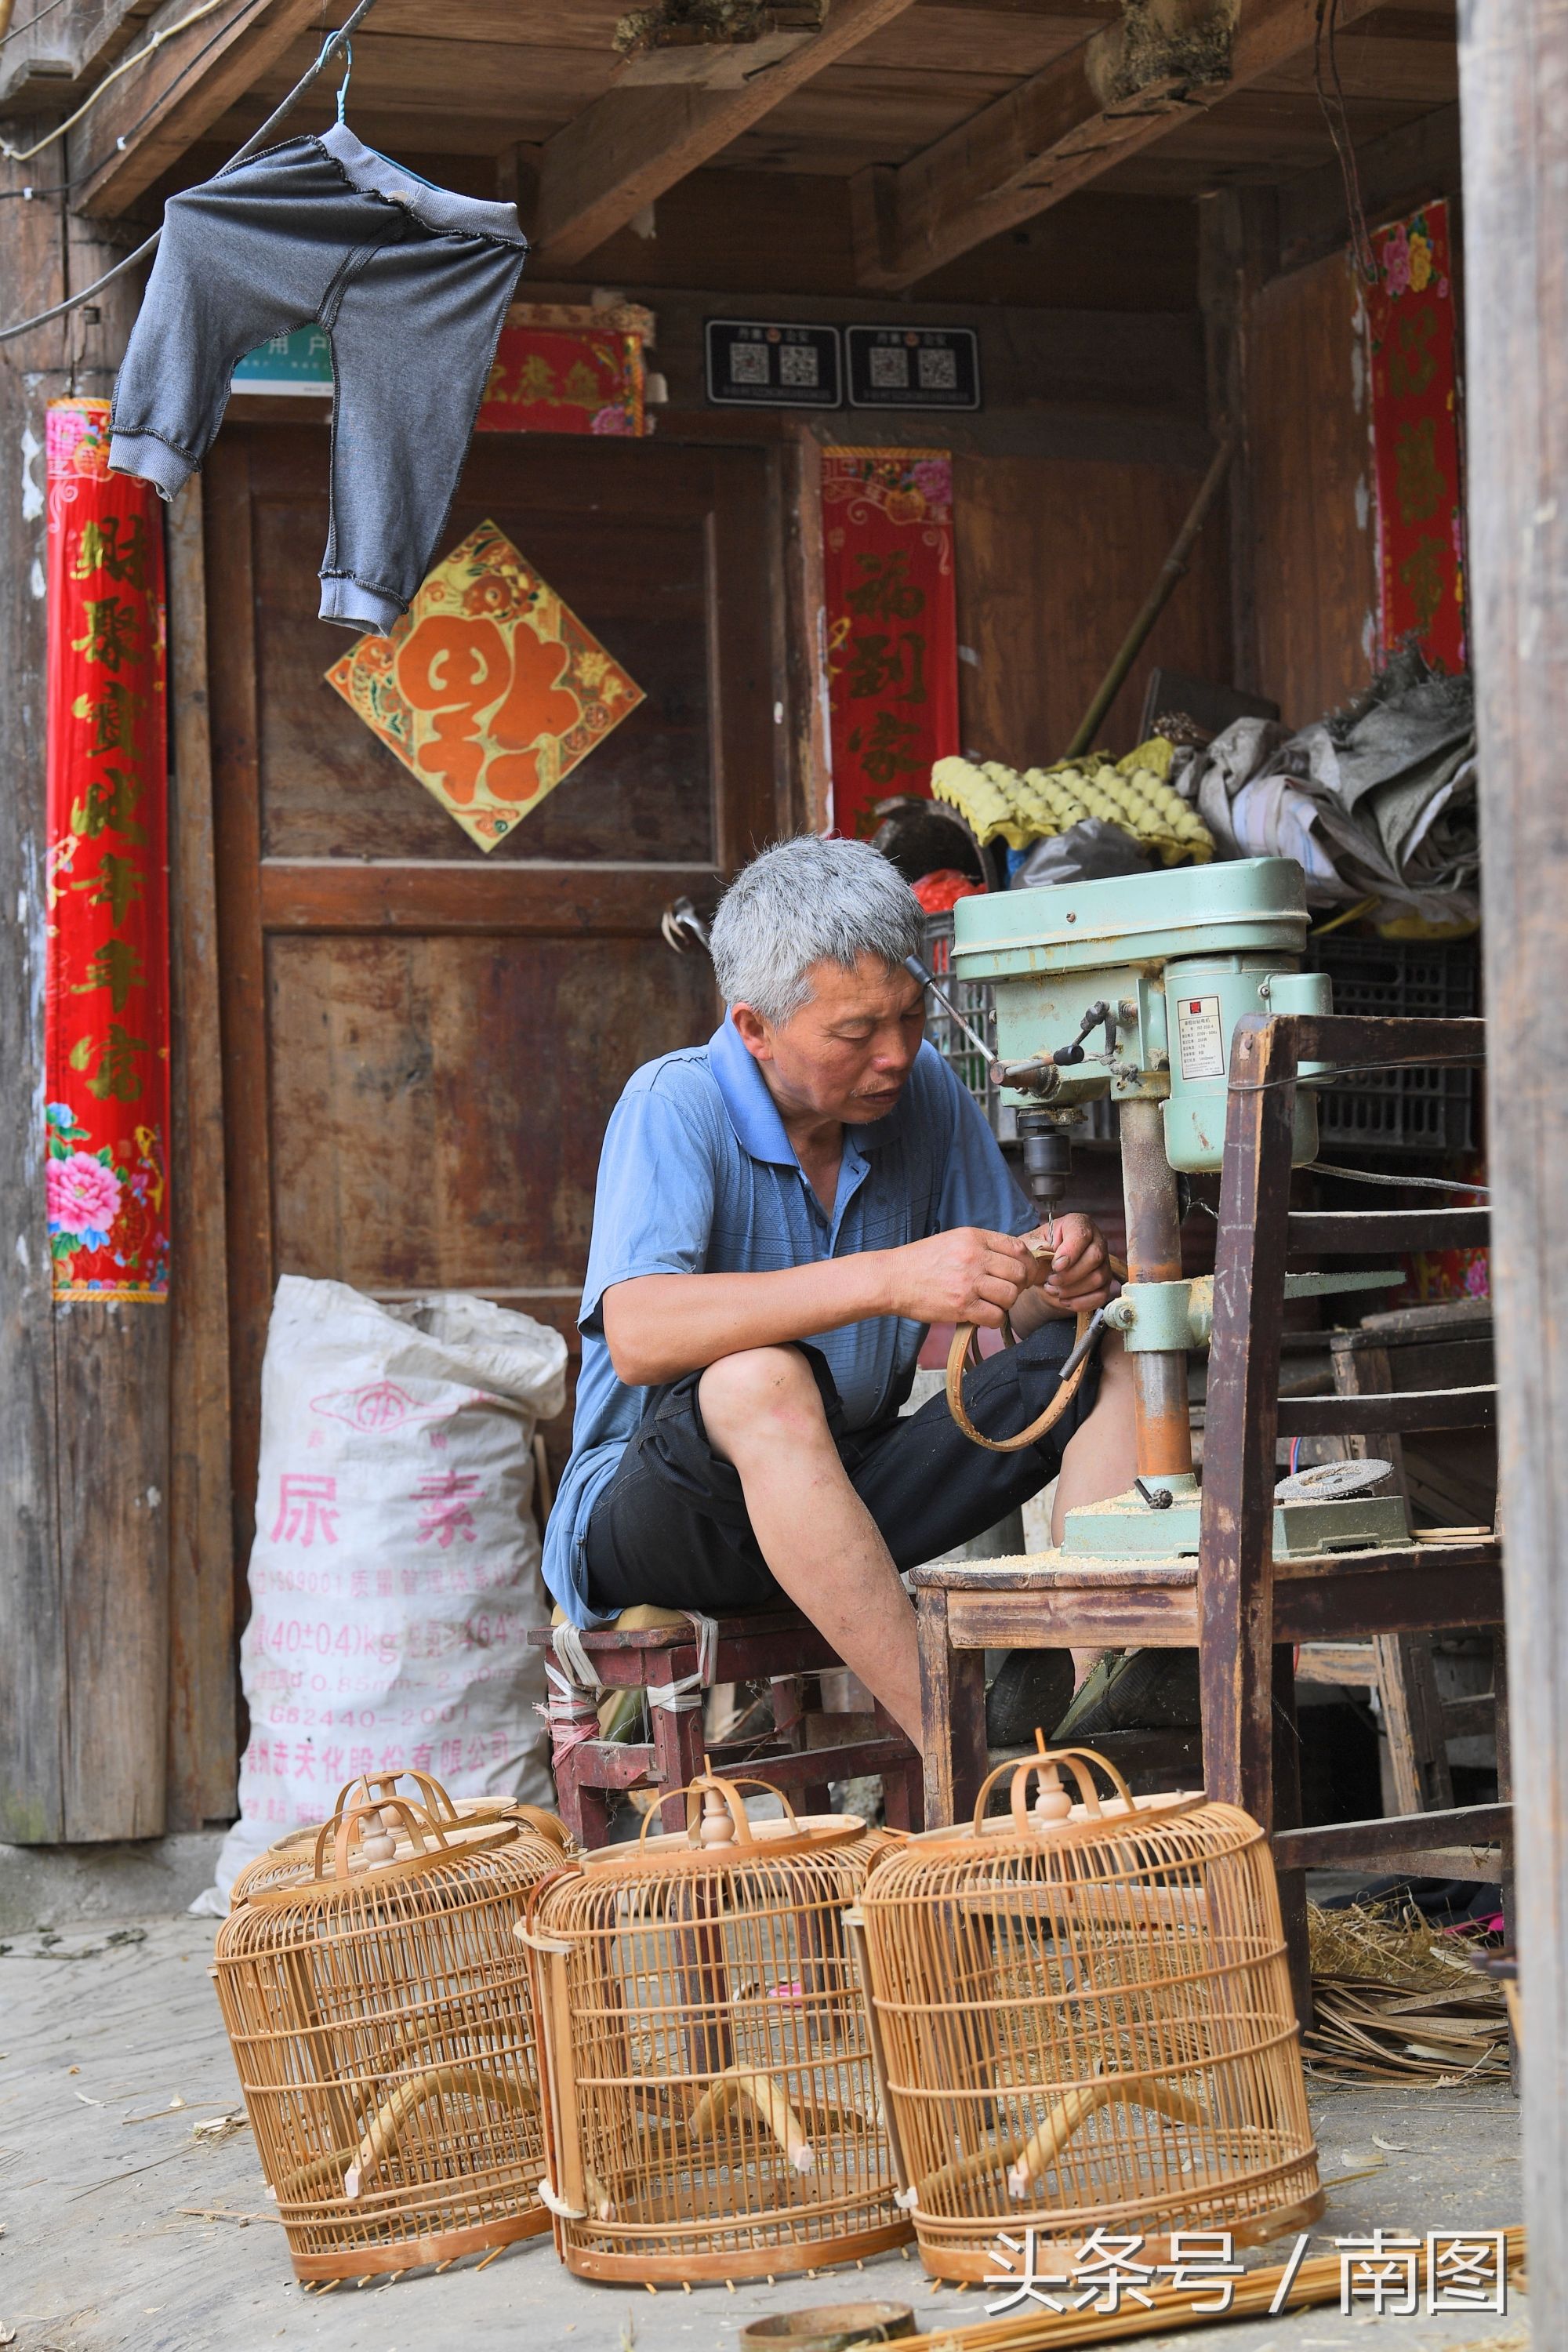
[1022,1766]
[353,1817]
[437,1800]
[729,1791]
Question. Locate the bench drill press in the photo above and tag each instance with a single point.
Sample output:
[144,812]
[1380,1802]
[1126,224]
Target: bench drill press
[1131,990]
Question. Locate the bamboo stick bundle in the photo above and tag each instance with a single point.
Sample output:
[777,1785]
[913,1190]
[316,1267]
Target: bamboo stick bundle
[1316,2282]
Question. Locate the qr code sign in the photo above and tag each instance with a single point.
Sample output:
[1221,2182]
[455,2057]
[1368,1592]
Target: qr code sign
[890,367]
[938,371]
[748,362]
[797,364]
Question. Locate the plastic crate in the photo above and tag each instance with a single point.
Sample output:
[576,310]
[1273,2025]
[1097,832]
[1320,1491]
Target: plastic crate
[972,998]
[1402,1112]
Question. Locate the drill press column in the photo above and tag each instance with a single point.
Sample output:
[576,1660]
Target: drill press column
[1154,1254]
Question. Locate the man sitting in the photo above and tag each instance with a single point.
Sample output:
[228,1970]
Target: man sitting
[780,1215]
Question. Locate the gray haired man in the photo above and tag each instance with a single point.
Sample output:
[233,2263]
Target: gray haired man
[780,1215]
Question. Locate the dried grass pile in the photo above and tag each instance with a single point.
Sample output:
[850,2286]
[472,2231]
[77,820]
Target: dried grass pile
[1396,2000]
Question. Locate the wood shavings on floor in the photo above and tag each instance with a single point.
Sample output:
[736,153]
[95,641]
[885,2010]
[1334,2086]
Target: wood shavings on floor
[1397,2000]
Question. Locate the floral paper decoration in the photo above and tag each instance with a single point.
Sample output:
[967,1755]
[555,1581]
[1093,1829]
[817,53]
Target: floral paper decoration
[489,689]
[106,1025]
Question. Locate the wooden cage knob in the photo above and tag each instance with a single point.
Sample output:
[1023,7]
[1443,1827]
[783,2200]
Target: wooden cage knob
[1053,1803]
[716,1827]
[379,1843]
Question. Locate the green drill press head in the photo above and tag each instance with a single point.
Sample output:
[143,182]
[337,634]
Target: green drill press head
[1131,989]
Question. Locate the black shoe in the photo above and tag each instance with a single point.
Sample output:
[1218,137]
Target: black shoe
[1028,1694]
[1139,1690]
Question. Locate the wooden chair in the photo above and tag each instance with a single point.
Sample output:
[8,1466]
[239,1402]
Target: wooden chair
[1449,1483]
[1243,1611]
[657,1650]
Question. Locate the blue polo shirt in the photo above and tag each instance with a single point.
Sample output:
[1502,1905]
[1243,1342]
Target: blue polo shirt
[698,1176]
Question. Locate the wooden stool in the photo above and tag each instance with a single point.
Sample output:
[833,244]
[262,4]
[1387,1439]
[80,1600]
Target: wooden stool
[659,1653]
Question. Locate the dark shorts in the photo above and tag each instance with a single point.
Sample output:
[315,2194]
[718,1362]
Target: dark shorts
[671,1528]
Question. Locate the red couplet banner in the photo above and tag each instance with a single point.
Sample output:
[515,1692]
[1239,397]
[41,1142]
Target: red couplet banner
[1415,435]
[107,961]
[892,629]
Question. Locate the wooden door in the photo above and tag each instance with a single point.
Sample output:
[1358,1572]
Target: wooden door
[422,1042]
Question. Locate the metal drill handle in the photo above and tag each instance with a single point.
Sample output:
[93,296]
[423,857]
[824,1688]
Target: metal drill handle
[927,980]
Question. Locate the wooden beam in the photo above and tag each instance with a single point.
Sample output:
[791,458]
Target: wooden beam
[146,121]
[631,145]
[1513,68]
[1065,126]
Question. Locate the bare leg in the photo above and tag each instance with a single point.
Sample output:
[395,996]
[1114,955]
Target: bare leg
[763,1411]
[1099,1460]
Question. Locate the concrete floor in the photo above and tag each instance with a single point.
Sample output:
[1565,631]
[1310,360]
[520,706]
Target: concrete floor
[104,2246]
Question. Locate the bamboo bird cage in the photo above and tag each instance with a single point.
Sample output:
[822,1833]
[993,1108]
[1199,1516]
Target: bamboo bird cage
[382,2029]
[712,2108]
[1082,2018]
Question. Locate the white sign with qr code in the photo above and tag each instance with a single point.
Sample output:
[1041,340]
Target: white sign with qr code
[1200,1039]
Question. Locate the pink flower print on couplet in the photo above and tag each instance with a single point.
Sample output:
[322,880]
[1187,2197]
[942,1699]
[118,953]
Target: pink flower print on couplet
[1396,261]
[932,476]
[306,1508]
[444,1512]
[82,1197]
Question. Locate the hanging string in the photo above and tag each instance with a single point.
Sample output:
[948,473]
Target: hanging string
[258,139]
[1325,40]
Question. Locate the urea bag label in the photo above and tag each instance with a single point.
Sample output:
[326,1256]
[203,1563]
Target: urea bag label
[1200,1039]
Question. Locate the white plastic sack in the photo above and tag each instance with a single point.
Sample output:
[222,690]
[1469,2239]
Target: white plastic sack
[395,1570]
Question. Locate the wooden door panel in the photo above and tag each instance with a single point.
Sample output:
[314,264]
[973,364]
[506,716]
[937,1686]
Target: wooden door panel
[644,582]
[437,1104]
[422,1042]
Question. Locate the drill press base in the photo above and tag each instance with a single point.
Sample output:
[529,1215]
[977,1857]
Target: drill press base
[1125,1528]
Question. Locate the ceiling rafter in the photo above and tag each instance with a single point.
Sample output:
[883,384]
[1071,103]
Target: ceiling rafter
[145,121]
[1064,127]
[623,151]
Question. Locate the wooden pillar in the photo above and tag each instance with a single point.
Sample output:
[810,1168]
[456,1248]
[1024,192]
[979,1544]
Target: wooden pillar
[33,1718]
[84,1388]
[1514,102]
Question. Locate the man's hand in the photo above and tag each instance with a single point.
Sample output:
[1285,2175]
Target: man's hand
[967,1276]
[1080,1276]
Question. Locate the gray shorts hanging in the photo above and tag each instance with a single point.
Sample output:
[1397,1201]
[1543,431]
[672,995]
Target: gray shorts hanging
[411,284]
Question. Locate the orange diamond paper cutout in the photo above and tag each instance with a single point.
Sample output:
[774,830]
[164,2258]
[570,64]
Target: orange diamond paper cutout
[489,691]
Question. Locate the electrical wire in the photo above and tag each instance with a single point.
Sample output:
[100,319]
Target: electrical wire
[1325,40]
[258,139]
[26,155]
[1324,1071]
[1427,1183]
